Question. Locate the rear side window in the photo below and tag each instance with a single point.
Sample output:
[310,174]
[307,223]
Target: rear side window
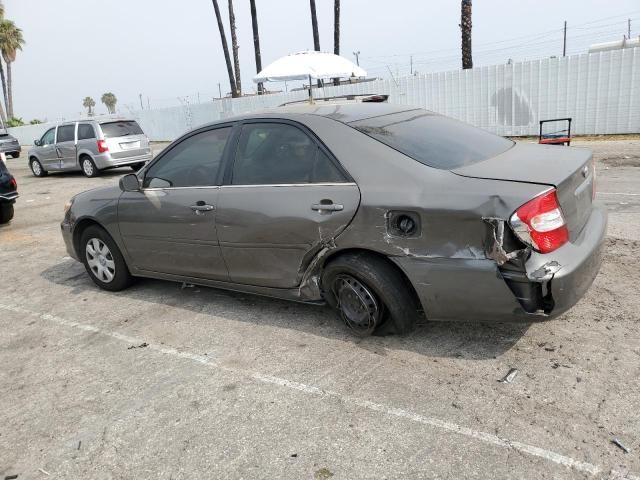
[434,140]
[272,154]
[85,132]
[121,129]
[65,133]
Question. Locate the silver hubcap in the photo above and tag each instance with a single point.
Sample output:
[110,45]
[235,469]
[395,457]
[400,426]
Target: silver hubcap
[35,166]
[100,260]
[87,167]
[358,306]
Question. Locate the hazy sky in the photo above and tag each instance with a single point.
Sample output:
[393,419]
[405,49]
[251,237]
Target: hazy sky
[167,50]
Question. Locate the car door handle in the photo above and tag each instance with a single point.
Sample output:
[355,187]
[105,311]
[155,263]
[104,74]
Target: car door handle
[327,207]
[199,208]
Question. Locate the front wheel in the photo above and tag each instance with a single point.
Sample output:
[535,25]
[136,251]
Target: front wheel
[137,166]
[370,294]
[89,167]
[36,168]
[15,155]
[103,261]
[6,212]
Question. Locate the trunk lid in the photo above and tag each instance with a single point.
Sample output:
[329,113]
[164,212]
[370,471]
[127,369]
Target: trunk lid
[570,170]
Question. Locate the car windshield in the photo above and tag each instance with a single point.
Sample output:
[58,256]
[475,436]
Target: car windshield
[434,140]
[120,129]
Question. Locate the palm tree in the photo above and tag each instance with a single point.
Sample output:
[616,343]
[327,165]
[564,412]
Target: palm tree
[465,25]
[314,26]
[256,42]
[89,103]
[11,40]
[336,33]
[110,100]
[234,48]
[225,49]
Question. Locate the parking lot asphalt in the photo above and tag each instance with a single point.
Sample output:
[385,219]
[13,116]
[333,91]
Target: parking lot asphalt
[161,381]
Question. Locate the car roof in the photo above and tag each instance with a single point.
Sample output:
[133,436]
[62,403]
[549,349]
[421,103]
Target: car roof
[94,120]
[342,112]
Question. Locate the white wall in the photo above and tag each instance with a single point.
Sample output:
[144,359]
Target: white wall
[600,91]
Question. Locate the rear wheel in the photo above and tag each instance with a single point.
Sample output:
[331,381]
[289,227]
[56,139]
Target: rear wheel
[6,212]
[370,294]
[103,261]
[89,167]
[36,168]
[15,155]
[137,166]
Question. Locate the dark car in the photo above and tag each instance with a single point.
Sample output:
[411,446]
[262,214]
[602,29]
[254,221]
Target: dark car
[9,144]
[387,213]
[8,193]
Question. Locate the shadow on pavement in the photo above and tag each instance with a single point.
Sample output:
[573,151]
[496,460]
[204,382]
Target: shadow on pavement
[476,341]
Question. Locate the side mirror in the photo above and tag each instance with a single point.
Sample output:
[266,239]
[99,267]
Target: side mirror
[130,183]
[37,143]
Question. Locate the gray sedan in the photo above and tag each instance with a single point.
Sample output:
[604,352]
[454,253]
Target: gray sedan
[388,214]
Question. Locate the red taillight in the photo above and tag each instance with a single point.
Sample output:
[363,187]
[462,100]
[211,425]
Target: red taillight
[102,146]
[540,223]
[13,184]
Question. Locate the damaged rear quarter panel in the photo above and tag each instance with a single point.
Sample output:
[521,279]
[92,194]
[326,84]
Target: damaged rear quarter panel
[447,263]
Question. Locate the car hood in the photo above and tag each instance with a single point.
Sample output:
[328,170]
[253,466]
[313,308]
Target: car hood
[98,195]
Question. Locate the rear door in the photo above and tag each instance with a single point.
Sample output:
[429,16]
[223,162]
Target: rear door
[47,151]
[87,140]
[170,225]
[284,198]
[66,146]
[125,139]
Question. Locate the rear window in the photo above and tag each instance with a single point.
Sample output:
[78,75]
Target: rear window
[120,129]
[434,140]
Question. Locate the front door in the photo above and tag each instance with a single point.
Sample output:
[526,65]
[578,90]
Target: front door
[286,198]
[47,151]
[170,225]
[66,146]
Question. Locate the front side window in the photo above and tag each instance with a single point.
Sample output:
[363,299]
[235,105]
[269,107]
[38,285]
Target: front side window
[48,137]
[276,154]
[65,133]
[194,162]
[85,131]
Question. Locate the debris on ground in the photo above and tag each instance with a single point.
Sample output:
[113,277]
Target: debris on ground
[79,444]
[508,378]
[10,477]
[294,455]
[44,471]
[322,474]
[620,445]
[142,345]
[187,285]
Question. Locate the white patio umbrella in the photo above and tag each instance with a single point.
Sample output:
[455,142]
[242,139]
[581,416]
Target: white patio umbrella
[309,65]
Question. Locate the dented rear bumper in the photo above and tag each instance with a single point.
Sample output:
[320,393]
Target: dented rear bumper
[570,270]
[495,289]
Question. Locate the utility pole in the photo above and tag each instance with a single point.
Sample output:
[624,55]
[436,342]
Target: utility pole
[357,54]
[219,90]
[629,28]
[564,43]
[411,58]
[141,105]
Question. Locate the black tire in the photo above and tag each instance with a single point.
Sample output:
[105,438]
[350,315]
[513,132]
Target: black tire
[137,166]
[121,276]
[376,276]
[36,168]
[6,212]
[88,167]
[15,155]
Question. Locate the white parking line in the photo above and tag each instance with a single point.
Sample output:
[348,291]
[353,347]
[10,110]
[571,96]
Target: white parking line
[488,438]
